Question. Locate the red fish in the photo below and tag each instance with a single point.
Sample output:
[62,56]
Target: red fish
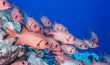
[4,5]
[33,25]
[20,63]
[68,49]
[66,38]
[16,14]
[46,22]
[34,40]
[54,45]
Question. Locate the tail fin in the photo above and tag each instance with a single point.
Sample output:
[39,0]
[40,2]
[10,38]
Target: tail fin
[11,33]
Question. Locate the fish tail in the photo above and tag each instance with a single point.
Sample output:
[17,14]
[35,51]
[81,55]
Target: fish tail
[12,33]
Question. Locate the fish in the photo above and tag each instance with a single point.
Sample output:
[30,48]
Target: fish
[34,40]
[4,5]
[20,63]
[58,52]
[61,27]
[80,44]
[54,45]
[94,37]
[46,22]
[98,63]
[66,38]
[16,14]
[62,58]
[90,43]
[33,26]
[68,49]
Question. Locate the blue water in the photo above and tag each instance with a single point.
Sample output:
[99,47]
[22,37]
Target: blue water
[77,15]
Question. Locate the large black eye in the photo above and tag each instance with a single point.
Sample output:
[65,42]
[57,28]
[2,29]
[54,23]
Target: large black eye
[37,44]
[35,26]
[23,63]
[46,43]
[56,46]
[16,16]
[4,2]
[48,22]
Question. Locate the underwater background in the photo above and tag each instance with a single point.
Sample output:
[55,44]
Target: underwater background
[77,15]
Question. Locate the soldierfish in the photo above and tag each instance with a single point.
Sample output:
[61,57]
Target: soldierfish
[94,38]
[62,58]
[54,45]
[34,40]
[68,49]
[60,27]
[80,44]
[90,43]
[33,25]
[58,52]
[4,5]
[20,63]
[66,38]
[46,22]
[17,14]
[98,63]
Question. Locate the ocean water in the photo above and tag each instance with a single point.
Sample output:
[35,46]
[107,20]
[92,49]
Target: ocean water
[77,15]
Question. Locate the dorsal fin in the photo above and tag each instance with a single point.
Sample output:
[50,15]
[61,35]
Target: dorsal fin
[24,30]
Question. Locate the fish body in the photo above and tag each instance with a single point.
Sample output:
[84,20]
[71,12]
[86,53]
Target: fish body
[68,49]
[20,63]
[46,22]
[98,63]
[16,14]
[34,40]
[4,5]
[33,25]
[66,38]
[94,37]
[60,27]
[90,44]
[54,45]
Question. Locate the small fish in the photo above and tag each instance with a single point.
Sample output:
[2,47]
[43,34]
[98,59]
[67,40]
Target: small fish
[66,38]
[4,5]
[54,45]
[62,58]
[46,22]
[60,52]
[94,37]
[16,14]
[33,25]
[80,44]
[68,49]
[20,63]
[34,40]
[98,63]
[60,27]
[90,44]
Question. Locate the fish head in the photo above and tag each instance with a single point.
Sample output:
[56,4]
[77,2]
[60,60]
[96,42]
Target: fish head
[83,46]
[43,44]
[20,63]
[16,14]
[4,5]
[46,21]
[70,38]
[73,50]
[33,25]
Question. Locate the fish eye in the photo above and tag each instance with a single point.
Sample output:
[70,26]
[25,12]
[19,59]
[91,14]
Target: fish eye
[4,2]
[48,22]
[35,26]
[46,43]
[16,16]
[37,44]
[74,39]
[23,63]
[85,46]
[56,46]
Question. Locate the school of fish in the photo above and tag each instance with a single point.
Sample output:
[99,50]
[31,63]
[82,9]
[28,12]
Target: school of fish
[52,36]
